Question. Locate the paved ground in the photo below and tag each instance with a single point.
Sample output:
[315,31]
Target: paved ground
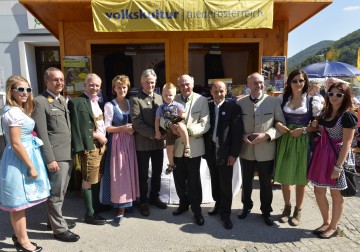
[162,231]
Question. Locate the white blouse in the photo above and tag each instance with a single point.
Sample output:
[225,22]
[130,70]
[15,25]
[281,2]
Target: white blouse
[14,117]
[317,106]
[109,112]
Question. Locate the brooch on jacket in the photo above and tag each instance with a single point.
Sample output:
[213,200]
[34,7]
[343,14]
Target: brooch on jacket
[50,99]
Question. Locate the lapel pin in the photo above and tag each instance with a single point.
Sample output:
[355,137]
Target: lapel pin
[223,113]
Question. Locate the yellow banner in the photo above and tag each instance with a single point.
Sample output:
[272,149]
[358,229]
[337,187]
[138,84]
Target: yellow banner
[181,15]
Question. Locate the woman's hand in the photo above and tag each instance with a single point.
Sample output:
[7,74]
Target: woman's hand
[33,173]
[335,174]
[129,129]
[296,132]
[281,128]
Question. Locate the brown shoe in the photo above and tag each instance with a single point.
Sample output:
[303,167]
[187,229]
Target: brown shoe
[295,220]
[144,209]
[284,218]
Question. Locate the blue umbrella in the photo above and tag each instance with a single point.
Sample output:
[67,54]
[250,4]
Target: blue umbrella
[331,69]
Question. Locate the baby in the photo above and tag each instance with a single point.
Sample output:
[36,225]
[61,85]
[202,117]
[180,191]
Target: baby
[173,112]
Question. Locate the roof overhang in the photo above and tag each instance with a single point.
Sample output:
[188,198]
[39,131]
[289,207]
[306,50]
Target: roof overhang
[50,12]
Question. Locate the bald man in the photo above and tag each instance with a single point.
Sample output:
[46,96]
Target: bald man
[222,147]
[259,114]
[187,172]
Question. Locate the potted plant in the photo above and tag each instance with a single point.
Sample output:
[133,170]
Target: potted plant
[270,90]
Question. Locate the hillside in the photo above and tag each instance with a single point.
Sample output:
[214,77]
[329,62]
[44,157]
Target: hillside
[343,50]
[297,59]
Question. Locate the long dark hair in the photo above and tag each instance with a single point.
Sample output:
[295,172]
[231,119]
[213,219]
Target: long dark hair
[346,103]
[288,90]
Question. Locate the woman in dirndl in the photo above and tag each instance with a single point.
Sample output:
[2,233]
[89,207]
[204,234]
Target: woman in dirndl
[292,154]
[337,126]
[24,181]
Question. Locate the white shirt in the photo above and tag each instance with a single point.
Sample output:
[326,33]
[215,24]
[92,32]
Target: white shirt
[97,112]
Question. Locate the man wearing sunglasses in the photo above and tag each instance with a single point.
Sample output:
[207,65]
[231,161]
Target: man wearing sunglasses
[53,127]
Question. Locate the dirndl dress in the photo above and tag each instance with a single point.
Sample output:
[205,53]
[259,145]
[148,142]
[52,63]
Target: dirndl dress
[292,152]
[324,158]
[120,183]
[17,190]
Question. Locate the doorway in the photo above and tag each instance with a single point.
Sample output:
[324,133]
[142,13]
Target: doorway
[129,59]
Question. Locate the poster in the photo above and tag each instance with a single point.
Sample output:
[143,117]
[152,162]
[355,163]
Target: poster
[273,70]
[228,83]
[76,69]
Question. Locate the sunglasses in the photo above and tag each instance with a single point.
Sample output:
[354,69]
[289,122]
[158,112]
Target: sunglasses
[22,89]
[338,95]
[297,81]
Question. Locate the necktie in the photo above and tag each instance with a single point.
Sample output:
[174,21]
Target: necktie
[216,123]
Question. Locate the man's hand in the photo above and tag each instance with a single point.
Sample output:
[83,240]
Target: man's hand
[102,139]
[231,161]
[53,166]
[157,135]
[260,137]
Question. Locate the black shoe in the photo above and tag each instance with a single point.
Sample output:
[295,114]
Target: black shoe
[228,224]
[322,236]
[129,210]
[15,240]
[199,219]
[144,209]
[20,248]
[244,213]
[95,220]
[213,211]
[70,225]
[268,219]
[317,232]
[180,210]
[157,202]
[67,236]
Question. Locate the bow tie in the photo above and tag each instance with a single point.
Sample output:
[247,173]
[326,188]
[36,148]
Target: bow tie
[254,100]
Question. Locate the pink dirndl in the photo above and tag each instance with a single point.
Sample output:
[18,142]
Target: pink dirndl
[323,160]
[123,169]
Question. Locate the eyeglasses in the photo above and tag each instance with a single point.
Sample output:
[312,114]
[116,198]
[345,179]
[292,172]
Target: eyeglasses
[338,95]
[22,89]
[297,81]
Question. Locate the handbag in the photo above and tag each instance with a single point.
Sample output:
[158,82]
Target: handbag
[349,163]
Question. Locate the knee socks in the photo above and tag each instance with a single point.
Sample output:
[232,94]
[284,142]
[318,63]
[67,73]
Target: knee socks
[87,196]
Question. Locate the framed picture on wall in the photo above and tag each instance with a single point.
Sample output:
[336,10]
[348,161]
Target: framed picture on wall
[273,70]
[76,69]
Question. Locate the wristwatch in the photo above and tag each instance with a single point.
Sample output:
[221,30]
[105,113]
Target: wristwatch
[304,130]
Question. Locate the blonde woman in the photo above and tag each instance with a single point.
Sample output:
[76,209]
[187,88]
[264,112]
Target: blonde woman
[24,182]
[121,179]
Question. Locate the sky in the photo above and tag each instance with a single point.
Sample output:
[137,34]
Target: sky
[339,19]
